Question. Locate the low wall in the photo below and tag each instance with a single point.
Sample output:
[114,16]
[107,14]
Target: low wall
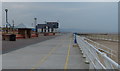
[19,36]
[49,34]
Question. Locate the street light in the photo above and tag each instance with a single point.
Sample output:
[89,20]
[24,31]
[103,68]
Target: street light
[35,24]
[35,21]
[6,10]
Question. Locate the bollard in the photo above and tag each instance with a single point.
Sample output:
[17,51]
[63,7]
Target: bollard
[84,56]
[75,40]
[86,61]
[82,52]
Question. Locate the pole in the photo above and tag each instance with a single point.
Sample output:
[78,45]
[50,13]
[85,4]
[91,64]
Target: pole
[13,26]
[35,21]
[6,10]
[35,25]
[75,41]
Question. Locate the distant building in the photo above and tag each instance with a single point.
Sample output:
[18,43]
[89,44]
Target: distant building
[25,31]
[48,27]
[41,28]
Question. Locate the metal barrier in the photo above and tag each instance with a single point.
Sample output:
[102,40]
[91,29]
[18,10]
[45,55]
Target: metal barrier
[110,53]
[96,59]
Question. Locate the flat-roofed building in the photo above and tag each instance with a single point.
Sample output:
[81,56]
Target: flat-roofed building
[54,26]
[48,27]
[41,28]
[24,30]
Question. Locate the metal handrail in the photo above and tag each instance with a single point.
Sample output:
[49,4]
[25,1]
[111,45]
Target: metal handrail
[100,45]
[89,50]
[105,56]
[103,47]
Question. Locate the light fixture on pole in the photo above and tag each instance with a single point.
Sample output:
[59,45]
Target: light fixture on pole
[35,24]
[6,10]
[35,21]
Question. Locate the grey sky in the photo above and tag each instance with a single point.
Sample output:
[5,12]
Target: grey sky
[0,13]
[72,16]
[60,0]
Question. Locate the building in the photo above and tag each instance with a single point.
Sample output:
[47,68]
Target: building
[24,31]
[49,27]
[41,28]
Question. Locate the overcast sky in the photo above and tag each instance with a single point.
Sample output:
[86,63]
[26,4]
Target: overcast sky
[72,16]
[60,0]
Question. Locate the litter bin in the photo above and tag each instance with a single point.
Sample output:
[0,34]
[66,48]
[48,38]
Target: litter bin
[12,37]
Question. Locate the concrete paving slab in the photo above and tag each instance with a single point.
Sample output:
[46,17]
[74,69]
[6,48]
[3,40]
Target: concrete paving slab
[50,54]
[21,43]
[76,61]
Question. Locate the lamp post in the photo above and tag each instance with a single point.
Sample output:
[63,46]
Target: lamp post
[13,26]
[6,10]
[35,25]
[35,21]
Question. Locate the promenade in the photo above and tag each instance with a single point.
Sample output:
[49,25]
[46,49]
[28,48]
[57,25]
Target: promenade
[56,53]
[8,46]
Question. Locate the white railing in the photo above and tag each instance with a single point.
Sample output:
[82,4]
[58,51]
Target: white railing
[110,52]
[96,59]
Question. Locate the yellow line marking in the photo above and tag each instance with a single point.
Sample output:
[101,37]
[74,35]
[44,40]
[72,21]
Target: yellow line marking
[67,58]
[43,59]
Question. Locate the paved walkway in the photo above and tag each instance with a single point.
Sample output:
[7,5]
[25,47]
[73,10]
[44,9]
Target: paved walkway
[8,46]
[56,53]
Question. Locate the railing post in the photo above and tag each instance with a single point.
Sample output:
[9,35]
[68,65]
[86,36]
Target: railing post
[75,40]
[93,56]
